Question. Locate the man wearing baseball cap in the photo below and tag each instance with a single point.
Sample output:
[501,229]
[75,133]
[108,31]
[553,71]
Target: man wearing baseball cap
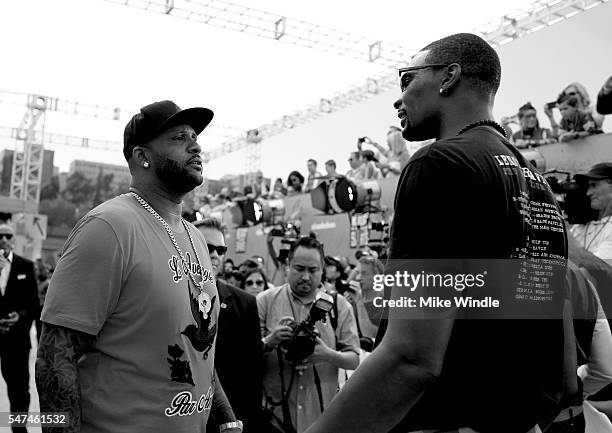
[596,236]
[130,318]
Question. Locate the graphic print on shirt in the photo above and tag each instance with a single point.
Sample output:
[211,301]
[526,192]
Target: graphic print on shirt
[202,334]
[179,369]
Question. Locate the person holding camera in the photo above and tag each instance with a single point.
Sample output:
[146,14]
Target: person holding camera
[302,358]
[531,133]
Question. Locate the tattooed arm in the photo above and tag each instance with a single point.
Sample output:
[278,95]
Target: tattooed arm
[221,408]
[56,373]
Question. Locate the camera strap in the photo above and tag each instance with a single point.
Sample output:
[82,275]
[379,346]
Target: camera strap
[284,401]
[318,386]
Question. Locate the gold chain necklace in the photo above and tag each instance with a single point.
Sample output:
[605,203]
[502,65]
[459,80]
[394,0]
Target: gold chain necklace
[157,216]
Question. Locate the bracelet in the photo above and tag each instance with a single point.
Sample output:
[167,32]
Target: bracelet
[230,425]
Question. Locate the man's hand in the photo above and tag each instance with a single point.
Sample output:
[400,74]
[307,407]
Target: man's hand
[279,334]
[607,87]
[6,324]
[548,111]
[321,352]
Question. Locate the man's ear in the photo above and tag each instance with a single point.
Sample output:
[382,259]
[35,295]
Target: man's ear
[140,157]
[451,78]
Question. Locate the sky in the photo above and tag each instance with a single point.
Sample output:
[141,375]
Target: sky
[98,52]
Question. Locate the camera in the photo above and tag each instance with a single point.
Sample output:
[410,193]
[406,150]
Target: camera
[304,338]
[572,198]
[289,233]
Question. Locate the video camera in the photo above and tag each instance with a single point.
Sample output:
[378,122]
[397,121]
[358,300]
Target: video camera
[290,234]
[305,335]
[571,196]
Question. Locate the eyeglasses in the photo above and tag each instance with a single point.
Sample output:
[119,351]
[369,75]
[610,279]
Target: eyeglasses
[253,282]
[219,248]
[403,71]
[8,236]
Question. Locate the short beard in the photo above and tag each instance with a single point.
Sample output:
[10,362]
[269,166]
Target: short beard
[428,128]
[174,176]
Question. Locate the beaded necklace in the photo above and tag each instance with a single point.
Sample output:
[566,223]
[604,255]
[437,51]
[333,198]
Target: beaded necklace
[484,122]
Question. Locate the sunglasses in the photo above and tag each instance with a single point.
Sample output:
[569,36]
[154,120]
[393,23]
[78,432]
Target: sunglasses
[252,283]
[8,236]
[219,248]
[405,79]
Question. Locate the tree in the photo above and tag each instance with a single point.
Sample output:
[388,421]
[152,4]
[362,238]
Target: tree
[79,190]
[121,188]
[103,189]
[50,191]
[59,211]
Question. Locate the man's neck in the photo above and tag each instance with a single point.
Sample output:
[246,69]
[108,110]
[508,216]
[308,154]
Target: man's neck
[307,298]
[458,117]
[167,205]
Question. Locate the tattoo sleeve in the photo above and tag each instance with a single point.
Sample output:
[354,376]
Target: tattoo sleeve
[56,373]
[221,408]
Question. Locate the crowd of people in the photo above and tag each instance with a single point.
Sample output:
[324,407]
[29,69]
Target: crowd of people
[148,326]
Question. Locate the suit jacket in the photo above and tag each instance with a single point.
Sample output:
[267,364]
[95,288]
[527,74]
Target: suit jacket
[238,355]
[20,295]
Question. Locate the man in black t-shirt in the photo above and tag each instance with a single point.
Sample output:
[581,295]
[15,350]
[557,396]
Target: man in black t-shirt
[470,197]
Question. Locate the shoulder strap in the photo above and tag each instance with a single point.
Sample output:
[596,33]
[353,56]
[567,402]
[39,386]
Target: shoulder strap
[334,317]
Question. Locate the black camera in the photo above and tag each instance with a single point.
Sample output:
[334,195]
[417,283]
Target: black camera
[304,338]
[572,197]
[290,234]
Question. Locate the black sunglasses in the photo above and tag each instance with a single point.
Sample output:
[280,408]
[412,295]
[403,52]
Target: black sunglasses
[253,282]
[8,236]
[219,248]
[403,71]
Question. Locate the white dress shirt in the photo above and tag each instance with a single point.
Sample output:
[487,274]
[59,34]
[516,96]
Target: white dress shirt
[6,271]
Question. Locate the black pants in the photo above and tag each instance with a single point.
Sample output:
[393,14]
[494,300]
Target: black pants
[15,371]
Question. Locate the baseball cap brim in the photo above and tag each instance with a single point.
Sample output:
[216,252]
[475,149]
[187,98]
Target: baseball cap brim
[198,118]
[589,176]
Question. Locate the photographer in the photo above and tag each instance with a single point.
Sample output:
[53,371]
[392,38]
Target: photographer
[297,392]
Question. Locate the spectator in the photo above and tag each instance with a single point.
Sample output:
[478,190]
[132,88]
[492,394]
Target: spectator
[330,168]
[604,98]
[336,347]
[228,267]
[295,182]
[370,161]
[357,171]
[584,102]
[314,177]
[247,266]
[235,278]
[574,122]
[334,275]
[254,282]
[279,188]
[397,154]
[531,134]
[595,237]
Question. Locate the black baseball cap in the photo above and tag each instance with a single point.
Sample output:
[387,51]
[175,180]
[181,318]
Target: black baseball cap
[600,171]
[157,117]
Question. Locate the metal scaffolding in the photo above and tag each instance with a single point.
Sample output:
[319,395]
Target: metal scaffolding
[256,22]
[28,155]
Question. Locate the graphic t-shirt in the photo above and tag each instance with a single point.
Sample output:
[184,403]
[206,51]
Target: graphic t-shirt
[475,197]
[120,278]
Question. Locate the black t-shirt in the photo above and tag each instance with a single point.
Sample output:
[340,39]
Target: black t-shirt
[475,197]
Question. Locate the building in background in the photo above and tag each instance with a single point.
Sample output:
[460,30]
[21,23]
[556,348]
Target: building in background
[92,170]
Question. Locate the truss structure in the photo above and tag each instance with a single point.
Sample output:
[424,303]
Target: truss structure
[104,112]
[256,22]
[541,14]
[28,155]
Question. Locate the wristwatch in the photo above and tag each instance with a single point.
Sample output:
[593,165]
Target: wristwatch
[230,425]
